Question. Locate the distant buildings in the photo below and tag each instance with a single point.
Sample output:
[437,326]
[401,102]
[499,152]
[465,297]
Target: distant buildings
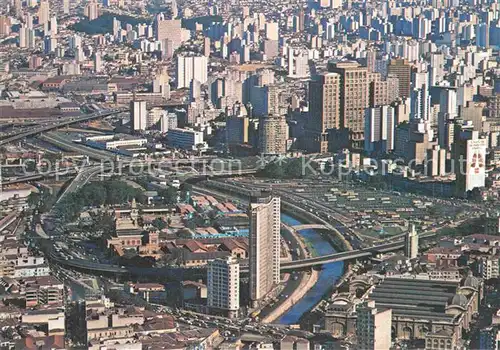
[264,242]
[223,284]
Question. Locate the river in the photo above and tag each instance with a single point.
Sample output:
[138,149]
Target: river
[326,279]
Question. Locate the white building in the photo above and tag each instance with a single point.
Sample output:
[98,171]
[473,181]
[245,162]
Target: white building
[190,67]
[185,138]
[488,267]
[168,121]
[411,243]
[224,285]
[379,129]
[264,246]
[138,115]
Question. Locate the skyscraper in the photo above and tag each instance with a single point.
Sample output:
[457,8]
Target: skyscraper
[324,110]
[264,245]
[273,133]
[373,327]
[223,282]
[138,115]
[379,129]
[402,70]
[169,29]
[354,98]
[411,243]
[191,67]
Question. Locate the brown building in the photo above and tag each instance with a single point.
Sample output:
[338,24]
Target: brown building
[324,110]
[354,98]
[383,92]
[402,70]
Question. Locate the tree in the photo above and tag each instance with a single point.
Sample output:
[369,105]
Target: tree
[169,195]
[159,223]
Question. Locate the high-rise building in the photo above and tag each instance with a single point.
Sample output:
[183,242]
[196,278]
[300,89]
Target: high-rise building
[169,29]
[66,7]
[191,67]
[44,12]
[324,110]
[354,98]
[469,153]
[373,327]
[273,135]
[435,162]
[223,284]
[402,70]
[264,246]
[379,129]
[411,242]
[91,10]
[383,91]
[483,35]
[272,31]
[237,130]
[138,115]
[97,62]
[5,25]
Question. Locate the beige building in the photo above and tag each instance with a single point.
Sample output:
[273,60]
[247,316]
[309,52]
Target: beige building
[264,242]
[223,284]
[354,98]
[324,110]
[383,92]
[273,134]
[373,327]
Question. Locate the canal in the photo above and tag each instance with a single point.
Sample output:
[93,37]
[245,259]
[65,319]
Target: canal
[326,279]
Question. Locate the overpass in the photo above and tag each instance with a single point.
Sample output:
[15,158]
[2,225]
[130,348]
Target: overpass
[34,131]
[310,226]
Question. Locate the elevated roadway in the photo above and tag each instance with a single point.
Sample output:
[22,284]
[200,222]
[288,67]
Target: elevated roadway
[56,125]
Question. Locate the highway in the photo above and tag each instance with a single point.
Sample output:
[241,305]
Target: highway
[56,125]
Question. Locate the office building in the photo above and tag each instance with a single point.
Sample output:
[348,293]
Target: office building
[189,68]
[223,283]
[411,242]
[186,139]
[273,135]
[354,98]
[138,115]
[379,129]
[373,327]
[5,25]
[402,70]
[237,130]
[383,91]
[264,246]
[324,110]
